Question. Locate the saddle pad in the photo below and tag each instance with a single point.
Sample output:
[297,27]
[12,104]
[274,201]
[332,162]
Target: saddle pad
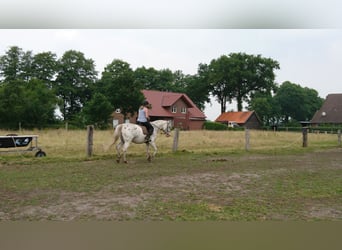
[144,129]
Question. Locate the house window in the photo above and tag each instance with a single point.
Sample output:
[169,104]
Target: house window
[174,109]
[127,121]
[118,111]
[183,110]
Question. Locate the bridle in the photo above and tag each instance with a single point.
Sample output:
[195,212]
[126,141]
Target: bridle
[167,131]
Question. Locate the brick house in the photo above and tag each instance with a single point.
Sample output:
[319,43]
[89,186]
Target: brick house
[330,112]
[247,119]
[177,107]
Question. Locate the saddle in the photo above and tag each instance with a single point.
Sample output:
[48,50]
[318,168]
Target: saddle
[144,129]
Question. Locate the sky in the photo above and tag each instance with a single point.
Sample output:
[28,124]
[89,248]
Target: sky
[308,49]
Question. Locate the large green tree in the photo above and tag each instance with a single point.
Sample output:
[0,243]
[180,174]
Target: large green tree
[97,111]
[219,75]
[297,103]
[15,64]
[162,80]
[118,85]
[75,79]
[40,105]
[30,103]
[266,108]
[197,87]
[44,67]
[148,78]
[239,76]
[313,102]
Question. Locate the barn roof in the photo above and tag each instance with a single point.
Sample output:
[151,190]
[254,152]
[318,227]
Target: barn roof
[331,110]
[162,100]
[240,117]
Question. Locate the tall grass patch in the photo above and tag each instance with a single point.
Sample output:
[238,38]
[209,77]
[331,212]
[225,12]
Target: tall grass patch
[71,144]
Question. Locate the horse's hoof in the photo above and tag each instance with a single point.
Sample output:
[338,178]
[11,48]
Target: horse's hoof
[126,162]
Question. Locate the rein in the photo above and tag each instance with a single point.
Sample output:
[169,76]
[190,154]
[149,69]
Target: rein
[165,132]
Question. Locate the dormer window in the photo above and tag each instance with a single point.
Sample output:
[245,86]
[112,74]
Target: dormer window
[183,110]
[174,109]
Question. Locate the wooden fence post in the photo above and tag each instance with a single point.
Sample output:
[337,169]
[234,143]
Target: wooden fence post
[175,140]
[305,137]
[89,146]
[339,137]
[247,137]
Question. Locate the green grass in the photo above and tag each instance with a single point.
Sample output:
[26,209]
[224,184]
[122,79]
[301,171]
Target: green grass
[62,145]
[210,177]
[185,186]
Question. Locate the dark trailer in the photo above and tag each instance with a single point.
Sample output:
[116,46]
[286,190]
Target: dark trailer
[20,143]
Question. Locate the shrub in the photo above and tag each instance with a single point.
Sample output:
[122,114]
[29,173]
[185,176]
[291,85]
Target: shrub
[208,125]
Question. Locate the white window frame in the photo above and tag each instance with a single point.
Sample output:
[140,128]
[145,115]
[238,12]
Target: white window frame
[183,110]
[174,109]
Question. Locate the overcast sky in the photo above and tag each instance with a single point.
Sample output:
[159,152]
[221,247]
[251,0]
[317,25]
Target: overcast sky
[309,52]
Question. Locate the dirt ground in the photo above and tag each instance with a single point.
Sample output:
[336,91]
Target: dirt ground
[217,186]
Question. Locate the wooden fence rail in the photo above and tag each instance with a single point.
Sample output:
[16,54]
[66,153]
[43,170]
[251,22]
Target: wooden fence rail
[305,130]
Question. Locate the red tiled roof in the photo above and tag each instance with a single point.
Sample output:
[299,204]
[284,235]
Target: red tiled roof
[238,117]
[161,100]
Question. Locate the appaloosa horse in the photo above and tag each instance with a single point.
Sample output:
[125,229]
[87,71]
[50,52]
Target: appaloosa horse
[129,132]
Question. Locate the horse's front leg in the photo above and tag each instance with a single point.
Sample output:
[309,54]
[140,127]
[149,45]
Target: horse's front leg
[155,149]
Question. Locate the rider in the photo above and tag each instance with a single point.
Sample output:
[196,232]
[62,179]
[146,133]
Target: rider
[144,119]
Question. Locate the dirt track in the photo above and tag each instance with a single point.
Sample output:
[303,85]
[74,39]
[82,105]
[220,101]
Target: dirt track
[250,187]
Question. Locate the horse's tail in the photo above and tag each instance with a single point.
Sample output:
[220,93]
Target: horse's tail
[117,135]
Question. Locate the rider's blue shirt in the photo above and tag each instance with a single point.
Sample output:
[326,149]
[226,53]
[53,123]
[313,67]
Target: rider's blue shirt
[141,115]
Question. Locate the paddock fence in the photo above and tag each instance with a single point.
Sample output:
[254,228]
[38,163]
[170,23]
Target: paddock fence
[78,144]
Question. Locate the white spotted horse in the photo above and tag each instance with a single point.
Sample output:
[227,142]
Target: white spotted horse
[129,132]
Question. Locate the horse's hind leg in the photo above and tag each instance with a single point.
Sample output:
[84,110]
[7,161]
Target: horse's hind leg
[118,148]
[124,151]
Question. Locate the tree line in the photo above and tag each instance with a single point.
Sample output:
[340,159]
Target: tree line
[34,86]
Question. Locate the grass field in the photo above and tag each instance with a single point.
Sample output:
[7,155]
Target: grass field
[210,177]
[72,144]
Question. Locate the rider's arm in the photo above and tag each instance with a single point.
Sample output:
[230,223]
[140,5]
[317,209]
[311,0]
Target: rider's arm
[146,114]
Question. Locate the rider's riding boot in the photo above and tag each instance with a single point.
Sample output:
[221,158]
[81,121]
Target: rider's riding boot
[147,138]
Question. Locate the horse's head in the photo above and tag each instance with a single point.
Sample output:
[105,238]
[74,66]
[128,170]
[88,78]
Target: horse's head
[164,126]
